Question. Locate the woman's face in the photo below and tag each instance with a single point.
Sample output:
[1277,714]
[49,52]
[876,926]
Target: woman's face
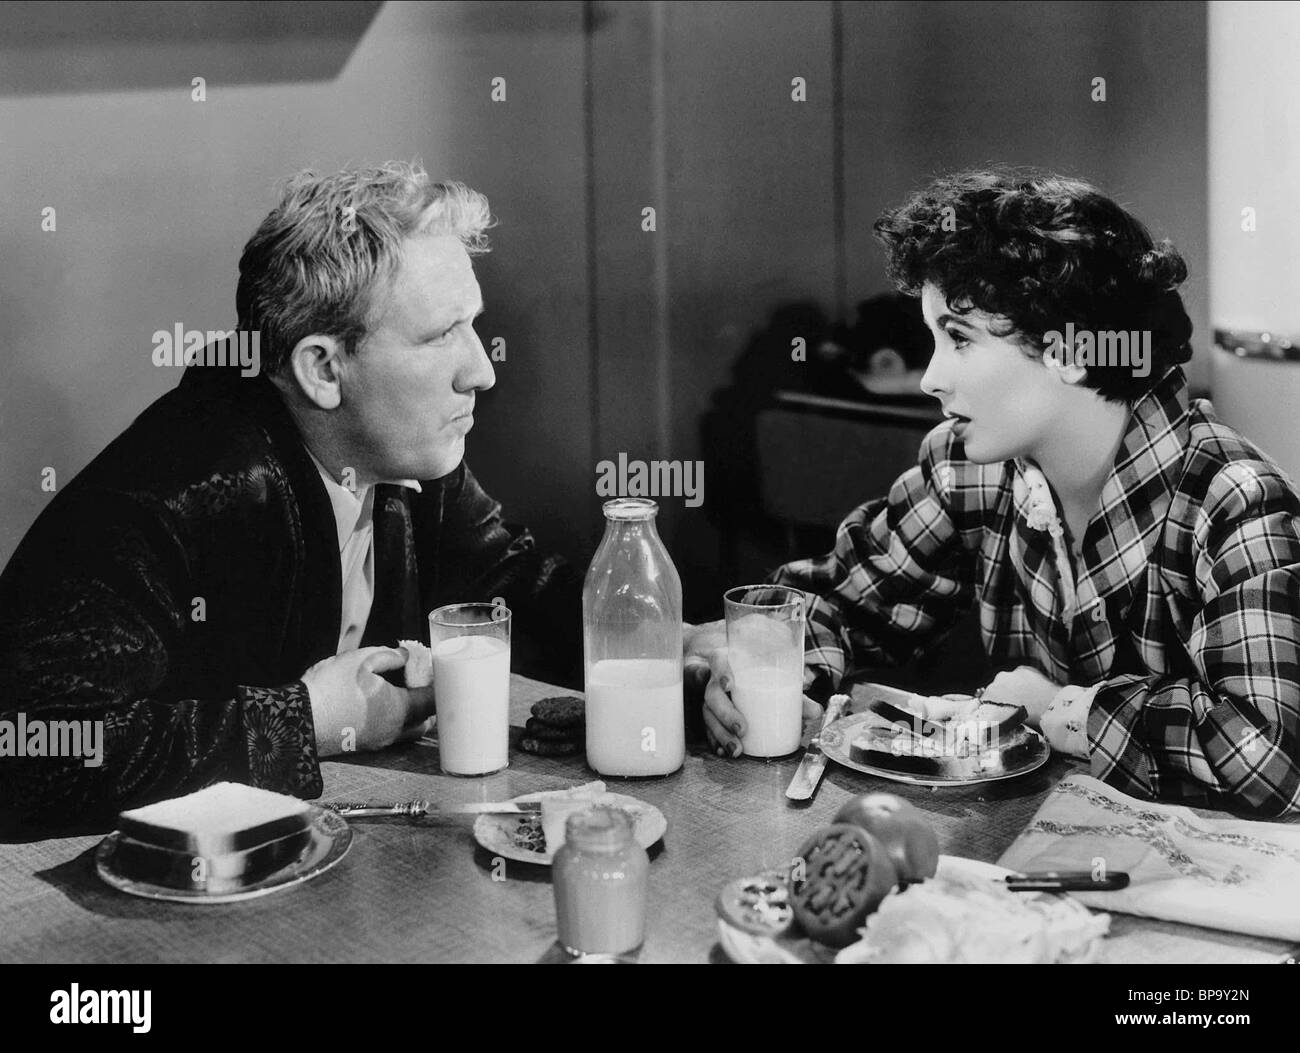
[1005,402]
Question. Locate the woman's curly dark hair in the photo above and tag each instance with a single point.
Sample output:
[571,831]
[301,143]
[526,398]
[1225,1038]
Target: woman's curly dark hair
[1040,251]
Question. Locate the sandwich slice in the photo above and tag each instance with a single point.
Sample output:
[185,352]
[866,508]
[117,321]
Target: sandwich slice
[219,819]
[925,735]
[889,746]
[217,838]
[224,873]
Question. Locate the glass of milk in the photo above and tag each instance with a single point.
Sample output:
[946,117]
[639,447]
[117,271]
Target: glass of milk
[471,686]
[765,632]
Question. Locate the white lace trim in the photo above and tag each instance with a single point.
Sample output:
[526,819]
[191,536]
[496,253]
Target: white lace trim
[1033,493]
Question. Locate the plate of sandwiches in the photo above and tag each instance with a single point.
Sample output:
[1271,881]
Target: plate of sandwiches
[224,843]
[946,740]
[537,837]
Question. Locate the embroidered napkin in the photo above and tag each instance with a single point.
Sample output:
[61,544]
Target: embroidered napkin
[1227,873]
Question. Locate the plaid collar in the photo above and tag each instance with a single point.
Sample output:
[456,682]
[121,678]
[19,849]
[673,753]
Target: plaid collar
[1122,536]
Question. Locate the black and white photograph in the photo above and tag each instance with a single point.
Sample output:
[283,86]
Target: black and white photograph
[651,482]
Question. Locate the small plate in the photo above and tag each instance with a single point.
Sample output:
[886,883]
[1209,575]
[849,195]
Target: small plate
[749,949]
[497,833]
[330,839]
[987,766]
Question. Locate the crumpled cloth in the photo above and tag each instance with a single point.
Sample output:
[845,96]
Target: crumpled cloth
[1232,874]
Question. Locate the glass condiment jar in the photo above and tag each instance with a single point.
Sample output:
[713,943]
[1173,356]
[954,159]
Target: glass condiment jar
[632,647]
[600,879]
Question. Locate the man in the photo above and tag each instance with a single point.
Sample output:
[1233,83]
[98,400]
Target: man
[224,585]
[1135,562]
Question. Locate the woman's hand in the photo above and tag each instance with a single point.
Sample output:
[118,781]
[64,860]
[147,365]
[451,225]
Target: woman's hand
[722,720]
[708,671]
[705,662]
[725,724]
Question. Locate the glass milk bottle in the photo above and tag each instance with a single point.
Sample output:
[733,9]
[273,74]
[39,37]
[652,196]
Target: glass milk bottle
[632,645]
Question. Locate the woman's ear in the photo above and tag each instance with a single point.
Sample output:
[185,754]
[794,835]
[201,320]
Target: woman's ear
[316,366]
[1059,358]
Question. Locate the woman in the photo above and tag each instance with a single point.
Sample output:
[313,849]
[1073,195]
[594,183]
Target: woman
[1136,563]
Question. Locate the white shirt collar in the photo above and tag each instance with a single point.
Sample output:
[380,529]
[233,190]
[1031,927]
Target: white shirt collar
[353,508]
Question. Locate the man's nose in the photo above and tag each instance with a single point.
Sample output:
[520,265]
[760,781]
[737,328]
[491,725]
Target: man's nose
[478,374]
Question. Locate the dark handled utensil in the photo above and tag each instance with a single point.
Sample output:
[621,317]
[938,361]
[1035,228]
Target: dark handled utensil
[1067,881]
[910,719]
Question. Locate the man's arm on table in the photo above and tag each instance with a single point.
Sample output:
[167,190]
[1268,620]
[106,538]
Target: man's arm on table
[897,578]
[1230,736]
[477,556]
[94,607]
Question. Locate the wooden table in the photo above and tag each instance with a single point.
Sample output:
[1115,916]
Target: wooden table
[425,891]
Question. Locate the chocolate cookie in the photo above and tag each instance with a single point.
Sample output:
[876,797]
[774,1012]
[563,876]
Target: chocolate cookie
[539,729]
[545,748]
[565,711]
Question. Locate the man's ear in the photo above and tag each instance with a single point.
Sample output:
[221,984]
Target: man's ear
[316,367]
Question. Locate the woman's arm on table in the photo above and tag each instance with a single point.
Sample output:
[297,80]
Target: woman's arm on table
[896,579]
[898,576]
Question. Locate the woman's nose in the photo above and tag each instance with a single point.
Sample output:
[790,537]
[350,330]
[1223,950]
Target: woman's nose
[935,380]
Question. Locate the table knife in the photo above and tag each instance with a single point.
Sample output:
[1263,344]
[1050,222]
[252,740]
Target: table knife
[809,774]
[909,719]
[416,809]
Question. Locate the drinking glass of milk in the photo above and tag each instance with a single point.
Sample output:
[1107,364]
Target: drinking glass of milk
[471,686]
[765,629]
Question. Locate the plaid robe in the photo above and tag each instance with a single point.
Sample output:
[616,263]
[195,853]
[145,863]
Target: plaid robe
[1186,606]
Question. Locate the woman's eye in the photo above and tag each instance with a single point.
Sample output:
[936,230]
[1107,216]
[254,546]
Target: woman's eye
[958,338]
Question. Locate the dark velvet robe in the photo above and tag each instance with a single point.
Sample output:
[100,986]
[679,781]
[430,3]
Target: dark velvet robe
[180,585]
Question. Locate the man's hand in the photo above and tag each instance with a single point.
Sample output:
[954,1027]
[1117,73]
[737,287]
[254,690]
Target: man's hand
[1024,686]
[354,708]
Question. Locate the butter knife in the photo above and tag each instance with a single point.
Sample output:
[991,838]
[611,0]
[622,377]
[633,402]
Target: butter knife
[809,774]
[416,809]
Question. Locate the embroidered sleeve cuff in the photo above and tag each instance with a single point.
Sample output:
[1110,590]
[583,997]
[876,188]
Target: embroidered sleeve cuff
[1065,723]
[281,739]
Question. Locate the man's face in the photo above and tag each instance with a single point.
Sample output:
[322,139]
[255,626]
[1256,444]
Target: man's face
[408,391]
[1004,401]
